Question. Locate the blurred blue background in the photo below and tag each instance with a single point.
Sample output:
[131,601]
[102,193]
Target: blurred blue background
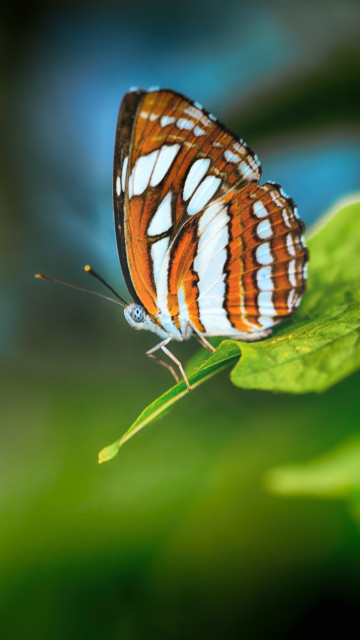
[176,537]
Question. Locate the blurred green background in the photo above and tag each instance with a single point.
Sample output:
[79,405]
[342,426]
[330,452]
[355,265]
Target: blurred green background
[178,536]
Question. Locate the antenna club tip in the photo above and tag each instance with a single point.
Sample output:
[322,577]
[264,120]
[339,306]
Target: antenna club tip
[87,268]
[38,275]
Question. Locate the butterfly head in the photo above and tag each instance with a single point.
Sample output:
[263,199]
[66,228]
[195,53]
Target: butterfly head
[136,315]
[138,318]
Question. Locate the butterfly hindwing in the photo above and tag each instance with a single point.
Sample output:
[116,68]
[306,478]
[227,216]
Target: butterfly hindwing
[251,261]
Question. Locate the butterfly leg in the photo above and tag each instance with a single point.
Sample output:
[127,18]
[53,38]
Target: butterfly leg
[177,362]
[205,343]
[167,366]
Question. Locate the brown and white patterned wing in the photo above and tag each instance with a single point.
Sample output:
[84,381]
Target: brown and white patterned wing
[239,266]
[171,159]
[200,241]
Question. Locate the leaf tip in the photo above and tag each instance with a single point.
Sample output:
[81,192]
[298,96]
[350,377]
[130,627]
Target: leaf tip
[107,453]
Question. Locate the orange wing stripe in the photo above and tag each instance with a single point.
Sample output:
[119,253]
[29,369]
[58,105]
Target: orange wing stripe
[182,274]
[138,256]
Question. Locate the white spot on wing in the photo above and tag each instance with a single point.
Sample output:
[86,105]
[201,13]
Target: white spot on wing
[245,169]
[291,273]
[290,245]
[166,158]
[198,131]
[141,173]
[161,221]
[264,279]
[203,194]
[118,185]
[259,210]
[166,120]
[264,230]
[265,304]
[184,123]
[197,171]
[160,258]
[123,173]
[230,156]
[263,253]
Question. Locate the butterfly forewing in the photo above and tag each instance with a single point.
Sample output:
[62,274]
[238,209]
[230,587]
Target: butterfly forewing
[200,241]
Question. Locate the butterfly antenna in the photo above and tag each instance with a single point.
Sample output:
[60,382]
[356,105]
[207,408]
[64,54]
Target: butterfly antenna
[93,273]
[41,276]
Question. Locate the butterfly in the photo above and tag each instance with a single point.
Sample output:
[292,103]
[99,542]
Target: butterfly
[205,249]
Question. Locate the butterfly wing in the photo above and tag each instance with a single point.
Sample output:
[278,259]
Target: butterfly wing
[187,213]
[250,264]
[165,144]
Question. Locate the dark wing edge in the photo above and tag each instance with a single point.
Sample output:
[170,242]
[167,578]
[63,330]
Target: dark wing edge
[122,149]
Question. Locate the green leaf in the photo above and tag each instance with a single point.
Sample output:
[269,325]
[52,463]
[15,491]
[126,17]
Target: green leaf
[321,345]
[333,475]
[226,355]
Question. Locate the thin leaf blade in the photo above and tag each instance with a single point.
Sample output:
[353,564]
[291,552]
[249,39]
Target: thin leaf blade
[226,355]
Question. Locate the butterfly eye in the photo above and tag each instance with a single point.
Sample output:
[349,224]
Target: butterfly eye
[138,313]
